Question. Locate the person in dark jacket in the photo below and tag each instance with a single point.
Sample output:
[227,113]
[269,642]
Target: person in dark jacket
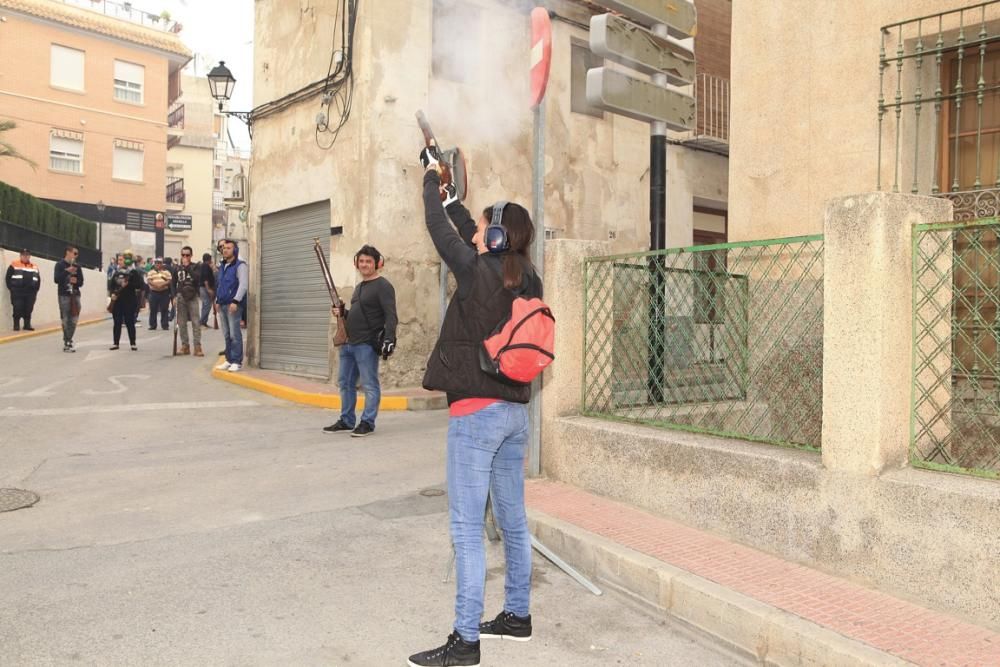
[23,281]
[371,332]
[69,279]
[125,287]
[187,278]
[206,287]
[488,424]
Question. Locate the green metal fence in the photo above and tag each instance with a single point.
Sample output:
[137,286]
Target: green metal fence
[723,339]
[955,417]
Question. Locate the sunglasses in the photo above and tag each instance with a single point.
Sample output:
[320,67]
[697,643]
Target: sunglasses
[185,254]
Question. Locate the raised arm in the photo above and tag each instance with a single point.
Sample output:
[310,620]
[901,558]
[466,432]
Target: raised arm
[456,253]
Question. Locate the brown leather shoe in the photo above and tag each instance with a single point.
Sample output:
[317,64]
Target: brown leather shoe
[198,352]
[185,350]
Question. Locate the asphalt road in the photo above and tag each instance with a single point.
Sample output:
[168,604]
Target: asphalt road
[186,521]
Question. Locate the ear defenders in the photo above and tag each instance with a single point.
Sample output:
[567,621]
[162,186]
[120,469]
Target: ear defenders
[372,252]
[495,238]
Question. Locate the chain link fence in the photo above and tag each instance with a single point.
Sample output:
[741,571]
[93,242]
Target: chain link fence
[722,339]
[955,418]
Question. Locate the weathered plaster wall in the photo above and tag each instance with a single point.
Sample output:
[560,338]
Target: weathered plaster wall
[804,108]
[597,178]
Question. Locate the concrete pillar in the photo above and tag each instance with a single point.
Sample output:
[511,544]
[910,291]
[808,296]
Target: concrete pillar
[562,382]
[867,327]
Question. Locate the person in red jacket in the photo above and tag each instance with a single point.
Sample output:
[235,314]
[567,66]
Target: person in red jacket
[23,281]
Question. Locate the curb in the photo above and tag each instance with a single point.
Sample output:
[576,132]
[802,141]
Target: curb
[761,632]
[328,401]
[41,332]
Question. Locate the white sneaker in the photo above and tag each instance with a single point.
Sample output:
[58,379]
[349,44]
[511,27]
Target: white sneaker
[224,366]
[234,367]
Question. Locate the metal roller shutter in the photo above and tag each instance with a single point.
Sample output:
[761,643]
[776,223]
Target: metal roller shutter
[295,305]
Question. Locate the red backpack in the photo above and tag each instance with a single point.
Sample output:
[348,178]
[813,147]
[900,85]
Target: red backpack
[521,346]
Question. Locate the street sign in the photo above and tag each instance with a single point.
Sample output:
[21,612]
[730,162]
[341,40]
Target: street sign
[679,16]
[178,223]
[616,39]
[641,100]
[541,53]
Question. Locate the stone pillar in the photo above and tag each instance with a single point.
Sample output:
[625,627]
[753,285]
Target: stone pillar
[562,382]
[867,325]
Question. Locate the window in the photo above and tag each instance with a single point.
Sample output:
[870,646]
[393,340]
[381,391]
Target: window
[581,59]
[66,69]
[217,181]
[66,151]
[128,82]
[127,162]
[454,39]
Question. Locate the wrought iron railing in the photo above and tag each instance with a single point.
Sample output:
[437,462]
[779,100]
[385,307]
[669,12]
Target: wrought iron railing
[724,339]
[712,107]
[175,118]
[956,347]
[175,191]
[939,107]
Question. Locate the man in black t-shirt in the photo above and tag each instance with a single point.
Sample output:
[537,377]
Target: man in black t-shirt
[206,287]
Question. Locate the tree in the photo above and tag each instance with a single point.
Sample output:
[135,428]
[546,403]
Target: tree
[7,149]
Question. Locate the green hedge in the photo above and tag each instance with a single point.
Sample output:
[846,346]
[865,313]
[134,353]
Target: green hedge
[22,209]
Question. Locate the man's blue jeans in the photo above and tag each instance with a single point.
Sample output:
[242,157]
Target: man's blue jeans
[486,455]
[206,305]
[230,325]
[358,361]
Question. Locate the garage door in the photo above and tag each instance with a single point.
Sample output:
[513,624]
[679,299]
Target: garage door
[295,306]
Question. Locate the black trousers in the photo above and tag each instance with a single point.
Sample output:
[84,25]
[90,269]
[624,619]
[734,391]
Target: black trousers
[124,313]
[159,302]
[23,305]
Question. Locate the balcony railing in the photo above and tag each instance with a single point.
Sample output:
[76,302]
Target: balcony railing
[126,12]
[175,118]
[173,140]
[711,113]
[939,132]
[175,191]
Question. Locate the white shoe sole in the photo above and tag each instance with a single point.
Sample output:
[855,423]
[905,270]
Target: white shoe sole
[413,664]
[509,638]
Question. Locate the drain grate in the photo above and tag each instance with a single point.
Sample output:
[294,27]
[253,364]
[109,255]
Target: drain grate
[15,499]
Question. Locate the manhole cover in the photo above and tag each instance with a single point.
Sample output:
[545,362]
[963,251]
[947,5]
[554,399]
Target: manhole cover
[15,499]
[432,493]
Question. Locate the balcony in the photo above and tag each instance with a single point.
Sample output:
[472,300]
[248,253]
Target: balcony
[175,119]
[175,193]
[711,114]
[126,12]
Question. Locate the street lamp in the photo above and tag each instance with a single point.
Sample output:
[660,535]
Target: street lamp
[221,82]
[100,229]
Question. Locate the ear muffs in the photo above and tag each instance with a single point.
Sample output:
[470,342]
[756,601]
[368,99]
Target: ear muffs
[495,238]
[370,250]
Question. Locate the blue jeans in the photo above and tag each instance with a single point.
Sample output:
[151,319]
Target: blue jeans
[206,305]
[230,325]
[358,361]
[486,455]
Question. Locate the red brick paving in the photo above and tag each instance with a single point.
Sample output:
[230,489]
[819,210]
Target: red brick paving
[906,630]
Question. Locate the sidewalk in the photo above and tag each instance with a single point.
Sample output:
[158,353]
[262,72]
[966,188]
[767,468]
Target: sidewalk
[11,336]
[323,395]
[768,609]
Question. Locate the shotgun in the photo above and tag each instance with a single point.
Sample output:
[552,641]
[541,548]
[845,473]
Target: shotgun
[452,160]
[340,337]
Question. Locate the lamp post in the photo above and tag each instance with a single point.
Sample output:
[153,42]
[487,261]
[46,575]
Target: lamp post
[221,83]
[100,229]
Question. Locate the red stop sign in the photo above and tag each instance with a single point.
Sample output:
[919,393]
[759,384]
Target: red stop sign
[541,53]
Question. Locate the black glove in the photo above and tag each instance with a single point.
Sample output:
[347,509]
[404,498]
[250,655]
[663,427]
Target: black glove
[388,347]
[450,194]
[430,156]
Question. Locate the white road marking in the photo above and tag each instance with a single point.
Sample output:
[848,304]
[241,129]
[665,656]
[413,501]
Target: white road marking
[40,392]
[124,408]
[94,355]
[119,387]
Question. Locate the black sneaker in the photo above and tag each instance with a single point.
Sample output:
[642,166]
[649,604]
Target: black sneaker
[68,347]
[507,626]
[363,429]
[455,652]
[113,347]
[337,427]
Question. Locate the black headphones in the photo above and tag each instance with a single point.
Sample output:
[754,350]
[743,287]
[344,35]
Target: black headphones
[372,252]
[496,238]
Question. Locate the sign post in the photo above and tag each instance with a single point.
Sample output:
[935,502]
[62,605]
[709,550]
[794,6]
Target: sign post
[626,40]
[540,63]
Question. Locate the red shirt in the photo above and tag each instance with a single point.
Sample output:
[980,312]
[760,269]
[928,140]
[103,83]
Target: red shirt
[467,406]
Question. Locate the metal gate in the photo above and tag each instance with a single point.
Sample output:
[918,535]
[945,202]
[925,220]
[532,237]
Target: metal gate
[295,306]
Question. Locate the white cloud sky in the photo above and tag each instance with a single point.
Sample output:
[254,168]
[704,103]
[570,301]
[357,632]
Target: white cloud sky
[214,31]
